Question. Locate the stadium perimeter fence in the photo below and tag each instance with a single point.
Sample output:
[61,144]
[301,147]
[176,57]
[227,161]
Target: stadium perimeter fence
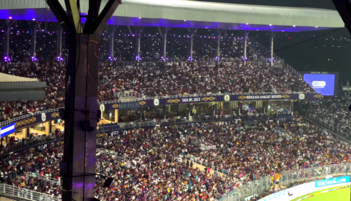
[239,194]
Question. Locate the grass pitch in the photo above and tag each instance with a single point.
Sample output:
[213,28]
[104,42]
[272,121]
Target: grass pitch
[341,193]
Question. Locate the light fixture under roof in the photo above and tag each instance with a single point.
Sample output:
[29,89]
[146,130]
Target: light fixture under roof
[294,25]
[316,26]
[270,24]
[33,19]
[184,20]
[247,23]
[139,17]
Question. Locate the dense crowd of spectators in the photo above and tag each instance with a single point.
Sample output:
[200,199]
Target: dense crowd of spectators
[162,163]
[151,79]
[330,111]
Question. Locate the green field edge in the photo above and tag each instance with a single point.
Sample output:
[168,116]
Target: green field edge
[319,191]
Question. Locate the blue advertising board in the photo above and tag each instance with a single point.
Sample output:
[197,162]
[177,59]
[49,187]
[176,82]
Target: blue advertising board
[332,181]
[323,84]
[7,130]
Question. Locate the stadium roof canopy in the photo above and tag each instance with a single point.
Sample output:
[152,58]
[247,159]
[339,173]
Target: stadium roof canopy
[15,88]
[191,14]
[5,78]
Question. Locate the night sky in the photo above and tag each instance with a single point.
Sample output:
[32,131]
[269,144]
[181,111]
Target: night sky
[328,53]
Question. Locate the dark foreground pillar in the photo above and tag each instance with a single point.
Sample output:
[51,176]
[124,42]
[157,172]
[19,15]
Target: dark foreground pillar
[81,108]
[81,114]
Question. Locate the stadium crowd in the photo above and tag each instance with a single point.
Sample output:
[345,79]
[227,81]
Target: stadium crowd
[331,111]
[155,78]
[163,163]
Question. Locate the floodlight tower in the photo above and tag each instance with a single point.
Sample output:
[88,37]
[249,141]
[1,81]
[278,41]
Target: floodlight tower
[81,108]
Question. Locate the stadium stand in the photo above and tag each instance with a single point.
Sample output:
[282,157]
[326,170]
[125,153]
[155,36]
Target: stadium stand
[147,79]
[173,160]
[330,112]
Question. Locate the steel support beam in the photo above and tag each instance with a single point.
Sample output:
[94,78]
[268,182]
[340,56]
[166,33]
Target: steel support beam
[33,49]
[246,37]
[138,31]
[112,30]
[163,33]
[191,50]
[272,48]
[59,41]
[344,9]
[218,49]
[81,108]
[7,24]
[73,14]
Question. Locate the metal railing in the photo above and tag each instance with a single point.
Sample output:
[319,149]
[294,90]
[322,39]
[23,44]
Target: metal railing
[53,181]
[336,129]
[13,191]
[288,178]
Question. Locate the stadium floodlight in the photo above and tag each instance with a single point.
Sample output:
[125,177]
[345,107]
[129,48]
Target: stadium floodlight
[138,58]
[269,60]
[112,58]
[34,59]
[7,59]
[244,58]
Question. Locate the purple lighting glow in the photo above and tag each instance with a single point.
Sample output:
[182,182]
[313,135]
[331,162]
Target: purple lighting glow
[59,59]
[7,59]
[269,60]
[10,18]
[112,58]
[34,59]
[138,58]
[244,58]
[216,58]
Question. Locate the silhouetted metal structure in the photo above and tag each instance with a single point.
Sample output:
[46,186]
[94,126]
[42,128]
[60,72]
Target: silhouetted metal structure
[81,108]
[344,9]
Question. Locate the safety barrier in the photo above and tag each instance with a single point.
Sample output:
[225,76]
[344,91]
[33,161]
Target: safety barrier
[13,191]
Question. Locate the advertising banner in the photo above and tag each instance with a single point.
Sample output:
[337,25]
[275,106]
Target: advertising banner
[332,181]
[203,99]
[298,191]
[37,119]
